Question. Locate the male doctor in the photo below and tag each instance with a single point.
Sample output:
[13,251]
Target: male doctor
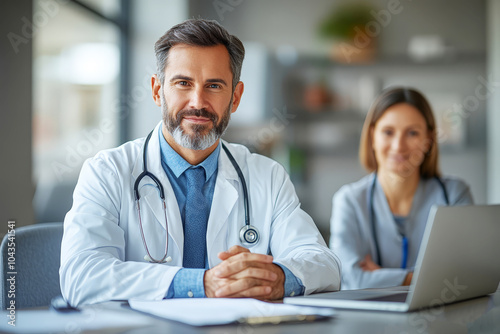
[121,244]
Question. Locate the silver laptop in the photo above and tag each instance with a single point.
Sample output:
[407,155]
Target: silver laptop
[459,259]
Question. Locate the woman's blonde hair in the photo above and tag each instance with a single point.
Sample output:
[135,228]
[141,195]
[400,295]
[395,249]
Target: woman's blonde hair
[388,98]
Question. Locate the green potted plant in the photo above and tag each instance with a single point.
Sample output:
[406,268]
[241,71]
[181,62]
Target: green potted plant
[346,26]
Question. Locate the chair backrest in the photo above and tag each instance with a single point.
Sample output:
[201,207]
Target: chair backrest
[34,278]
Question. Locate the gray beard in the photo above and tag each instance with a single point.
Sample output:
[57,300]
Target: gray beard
[196,141]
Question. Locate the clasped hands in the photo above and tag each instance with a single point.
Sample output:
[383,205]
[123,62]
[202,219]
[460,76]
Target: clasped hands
[244,274]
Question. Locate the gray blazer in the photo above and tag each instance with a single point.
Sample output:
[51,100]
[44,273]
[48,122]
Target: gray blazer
[351,233]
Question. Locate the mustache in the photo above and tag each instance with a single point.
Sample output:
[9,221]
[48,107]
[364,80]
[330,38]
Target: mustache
[197,113]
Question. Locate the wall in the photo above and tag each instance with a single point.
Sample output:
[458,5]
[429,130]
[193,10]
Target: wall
[15,117]
[290,25]
[293,22]
[493,71]
[150,20]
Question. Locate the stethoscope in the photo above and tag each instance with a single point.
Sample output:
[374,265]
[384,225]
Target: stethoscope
[404,241]
[249,235]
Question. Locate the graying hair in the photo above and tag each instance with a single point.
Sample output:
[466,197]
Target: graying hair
[199,32]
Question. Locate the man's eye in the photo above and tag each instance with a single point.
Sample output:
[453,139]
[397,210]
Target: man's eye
[215,86]
[387,132]
[182,83]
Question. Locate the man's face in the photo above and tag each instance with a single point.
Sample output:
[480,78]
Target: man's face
[197,97]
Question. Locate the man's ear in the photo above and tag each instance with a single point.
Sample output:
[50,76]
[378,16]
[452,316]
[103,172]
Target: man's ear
[238,92]
[156,89]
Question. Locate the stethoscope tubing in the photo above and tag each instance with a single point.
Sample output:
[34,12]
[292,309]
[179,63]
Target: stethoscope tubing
[146,173]
[243,184]
[404,241]
[249,234]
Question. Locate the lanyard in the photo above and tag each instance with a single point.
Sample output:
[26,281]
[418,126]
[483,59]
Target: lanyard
[404,259]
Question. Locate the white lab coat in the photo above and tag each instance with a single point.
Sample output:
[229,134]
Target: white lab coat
[102,254]
[351,230]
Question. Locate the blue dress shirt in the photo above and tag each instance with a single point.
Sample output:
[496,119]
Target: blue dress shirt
[188,282]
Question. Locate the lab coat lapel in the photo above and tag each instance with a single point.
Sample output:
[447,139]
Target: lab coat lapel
[225,197]
[150,195]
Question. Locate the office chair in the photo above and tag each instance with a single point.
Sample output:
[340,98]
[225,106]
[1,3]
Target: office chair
[37,259]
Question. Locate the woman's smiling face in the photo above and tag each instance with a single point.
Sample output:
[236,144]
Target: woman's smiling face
[400,140]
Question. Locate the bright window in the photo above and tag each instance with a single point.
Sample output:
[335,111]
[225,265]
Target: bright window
[76,62]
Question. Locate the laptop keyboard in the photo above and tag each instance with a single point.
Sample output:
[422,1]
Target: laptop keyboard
[397,297]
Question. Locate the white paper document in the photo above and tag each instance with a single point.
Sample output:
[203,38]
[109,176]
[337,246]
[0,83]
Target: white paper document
[218,311]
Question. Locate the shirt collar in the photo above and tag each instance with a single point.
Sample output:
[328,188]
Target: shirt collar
[178,164]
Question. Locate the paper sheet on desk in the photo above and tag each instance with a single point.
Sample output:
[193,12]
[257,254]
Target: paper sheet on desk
[218,311]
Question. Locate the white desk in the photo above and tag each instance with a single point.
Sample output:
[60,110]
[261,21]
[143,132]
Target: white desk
[481,315]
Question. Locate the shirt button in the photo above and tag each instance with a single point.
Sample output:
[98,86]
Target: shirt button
[292,294]
[190,294]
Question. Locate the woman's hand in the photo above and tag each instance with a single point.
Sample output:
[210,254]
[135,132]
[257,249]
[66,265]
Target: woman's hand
[367,264]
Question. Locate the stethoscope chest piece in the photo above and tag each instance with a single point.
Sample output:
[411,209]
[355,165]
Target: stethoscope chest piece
[249,235]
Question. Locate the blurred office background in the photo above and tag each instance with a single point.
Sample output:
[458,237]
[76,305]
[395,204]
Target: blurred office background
[76,80]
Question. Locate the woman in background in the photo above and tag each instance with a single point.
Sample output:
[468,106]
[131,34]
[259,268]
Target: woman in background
[378,222]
